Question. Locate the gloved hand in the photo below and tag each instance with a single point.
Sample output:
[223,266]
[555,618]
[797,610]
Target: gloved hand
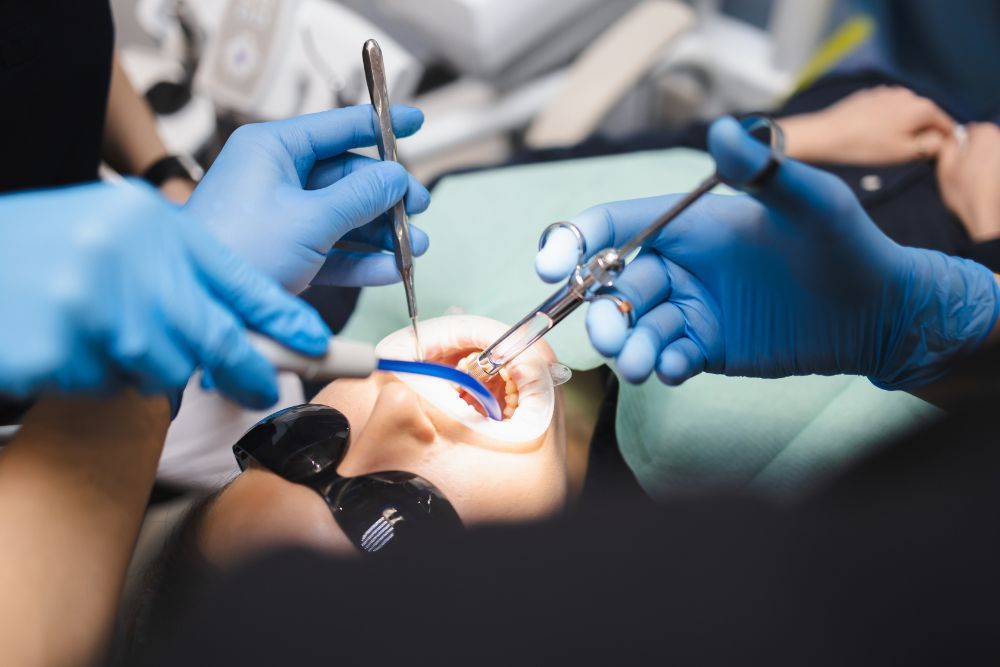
[282,193]
[796,280]
[109,285]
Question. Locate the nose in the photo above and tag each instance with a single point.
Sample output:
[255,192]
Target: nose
[397,436]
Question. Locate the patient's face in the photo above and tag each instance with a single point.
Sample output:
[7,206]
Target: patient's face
[513,470]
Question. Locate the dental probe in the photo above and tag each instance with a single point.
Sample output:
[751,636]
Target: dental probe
[385,138]
[352,359]
[602,270]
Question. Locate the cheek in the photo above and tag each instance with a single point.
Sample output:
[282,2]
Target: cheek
[489,486]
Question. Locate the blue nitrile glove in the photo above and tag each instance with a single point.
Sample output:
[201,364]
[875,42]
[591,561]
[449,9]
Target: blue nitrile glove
[110,285]
[795,280]
[282,193]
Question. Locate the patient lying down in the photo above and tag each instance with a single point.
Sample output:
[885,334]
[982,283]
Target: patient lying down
[488,471]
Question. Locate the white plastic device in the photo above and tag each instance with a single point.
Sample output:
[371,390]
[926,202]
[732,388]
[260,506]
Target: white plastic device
[343,359]
[482,37]
[271,59]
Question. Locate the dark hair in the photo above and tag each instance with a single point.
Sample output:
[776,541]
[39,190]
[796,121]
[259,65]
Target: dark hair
[169,581]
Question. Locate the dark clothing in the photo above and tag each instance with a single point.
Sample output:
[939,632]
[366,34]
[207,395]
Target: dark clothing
[954,52]
[55,73]
[892,563]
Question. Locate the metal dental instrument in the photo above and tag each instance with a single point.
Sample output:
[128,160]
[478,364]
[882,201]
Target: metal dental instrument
[589,278]
[352,359]
[385,138]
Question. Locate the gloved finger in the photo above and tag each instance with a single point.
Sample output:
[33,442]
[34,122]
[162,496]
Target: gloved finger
[328,172]
[378,234]
[221,346]
[144,348]
[153,359]
[27,362]
[607,327]
[258,300]
[795,190]
[208,383]
[602,226]
[218,342]
[94,373]
[680,360]
[644,284]
[359,198]
[328,133]
[349,268]
[86,368]
[652,333]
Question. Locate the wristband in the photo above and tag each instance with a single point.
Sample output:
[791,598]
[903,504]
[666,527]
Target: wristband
[166,168]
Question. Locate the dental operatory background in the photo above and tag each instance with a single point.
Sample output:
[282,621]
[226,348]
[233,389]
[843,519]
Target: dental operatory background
[499,79]
[598,329]
[495,76]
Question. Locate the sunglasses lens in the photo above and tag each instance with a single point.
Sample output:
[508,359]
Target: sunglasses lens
[297,443]
[375,510]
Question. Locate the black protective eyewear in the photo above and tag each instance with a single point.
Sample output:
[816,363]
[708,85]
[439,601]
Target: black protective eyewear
[304,444]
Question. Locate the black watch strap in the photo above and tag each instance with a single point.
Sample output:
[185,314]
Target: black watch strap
[166,168]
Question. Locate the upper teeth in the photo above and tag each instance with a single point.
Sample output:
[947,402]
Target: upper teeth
[511,394]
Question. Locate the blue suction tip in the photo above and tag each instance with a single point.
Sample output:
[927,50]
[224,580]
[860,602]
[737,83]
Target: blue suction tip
[469,383]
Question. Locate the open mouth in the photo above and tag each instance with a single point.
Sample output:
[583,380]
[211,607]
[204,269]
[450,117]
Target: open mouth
[523,389]
[501,385]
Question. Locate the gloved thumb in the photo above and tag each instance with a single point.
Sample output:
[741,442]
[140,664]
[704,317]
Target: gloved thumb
[793,189]
[356,200]
[739,157]
[557,258]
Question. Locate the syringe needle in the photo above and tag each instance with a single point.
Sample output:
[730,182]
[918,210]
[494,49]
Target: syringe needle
[416,339]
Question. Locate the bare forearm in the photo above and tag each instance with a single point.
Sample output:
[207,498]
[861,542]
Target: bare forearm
[131,141]
[73,489]
[805,138]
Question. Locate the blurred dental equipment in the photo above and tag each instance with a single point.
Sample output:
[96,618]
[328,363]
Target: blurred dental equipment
[490,75]
[270,59]
[402,246]
[590,278]
[352,359]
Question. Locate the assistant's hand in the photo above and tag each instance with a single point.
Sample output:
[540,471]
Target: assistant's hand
[282,193]
[796,280]
[968,174]
[881,125]
[109,285]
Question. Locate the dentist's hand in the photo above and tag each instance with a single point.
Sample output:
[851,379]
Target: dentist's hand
[282,193]
[796,280]
[109,285]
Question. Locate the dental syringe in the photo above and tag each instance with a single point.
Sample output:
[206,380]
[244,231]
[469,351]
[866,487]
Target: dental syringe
[601,271]
[541,320]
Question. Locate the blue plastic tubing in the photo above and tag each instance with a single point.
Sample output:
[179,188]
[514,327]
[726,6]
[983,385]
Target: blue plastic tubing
[469,383]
